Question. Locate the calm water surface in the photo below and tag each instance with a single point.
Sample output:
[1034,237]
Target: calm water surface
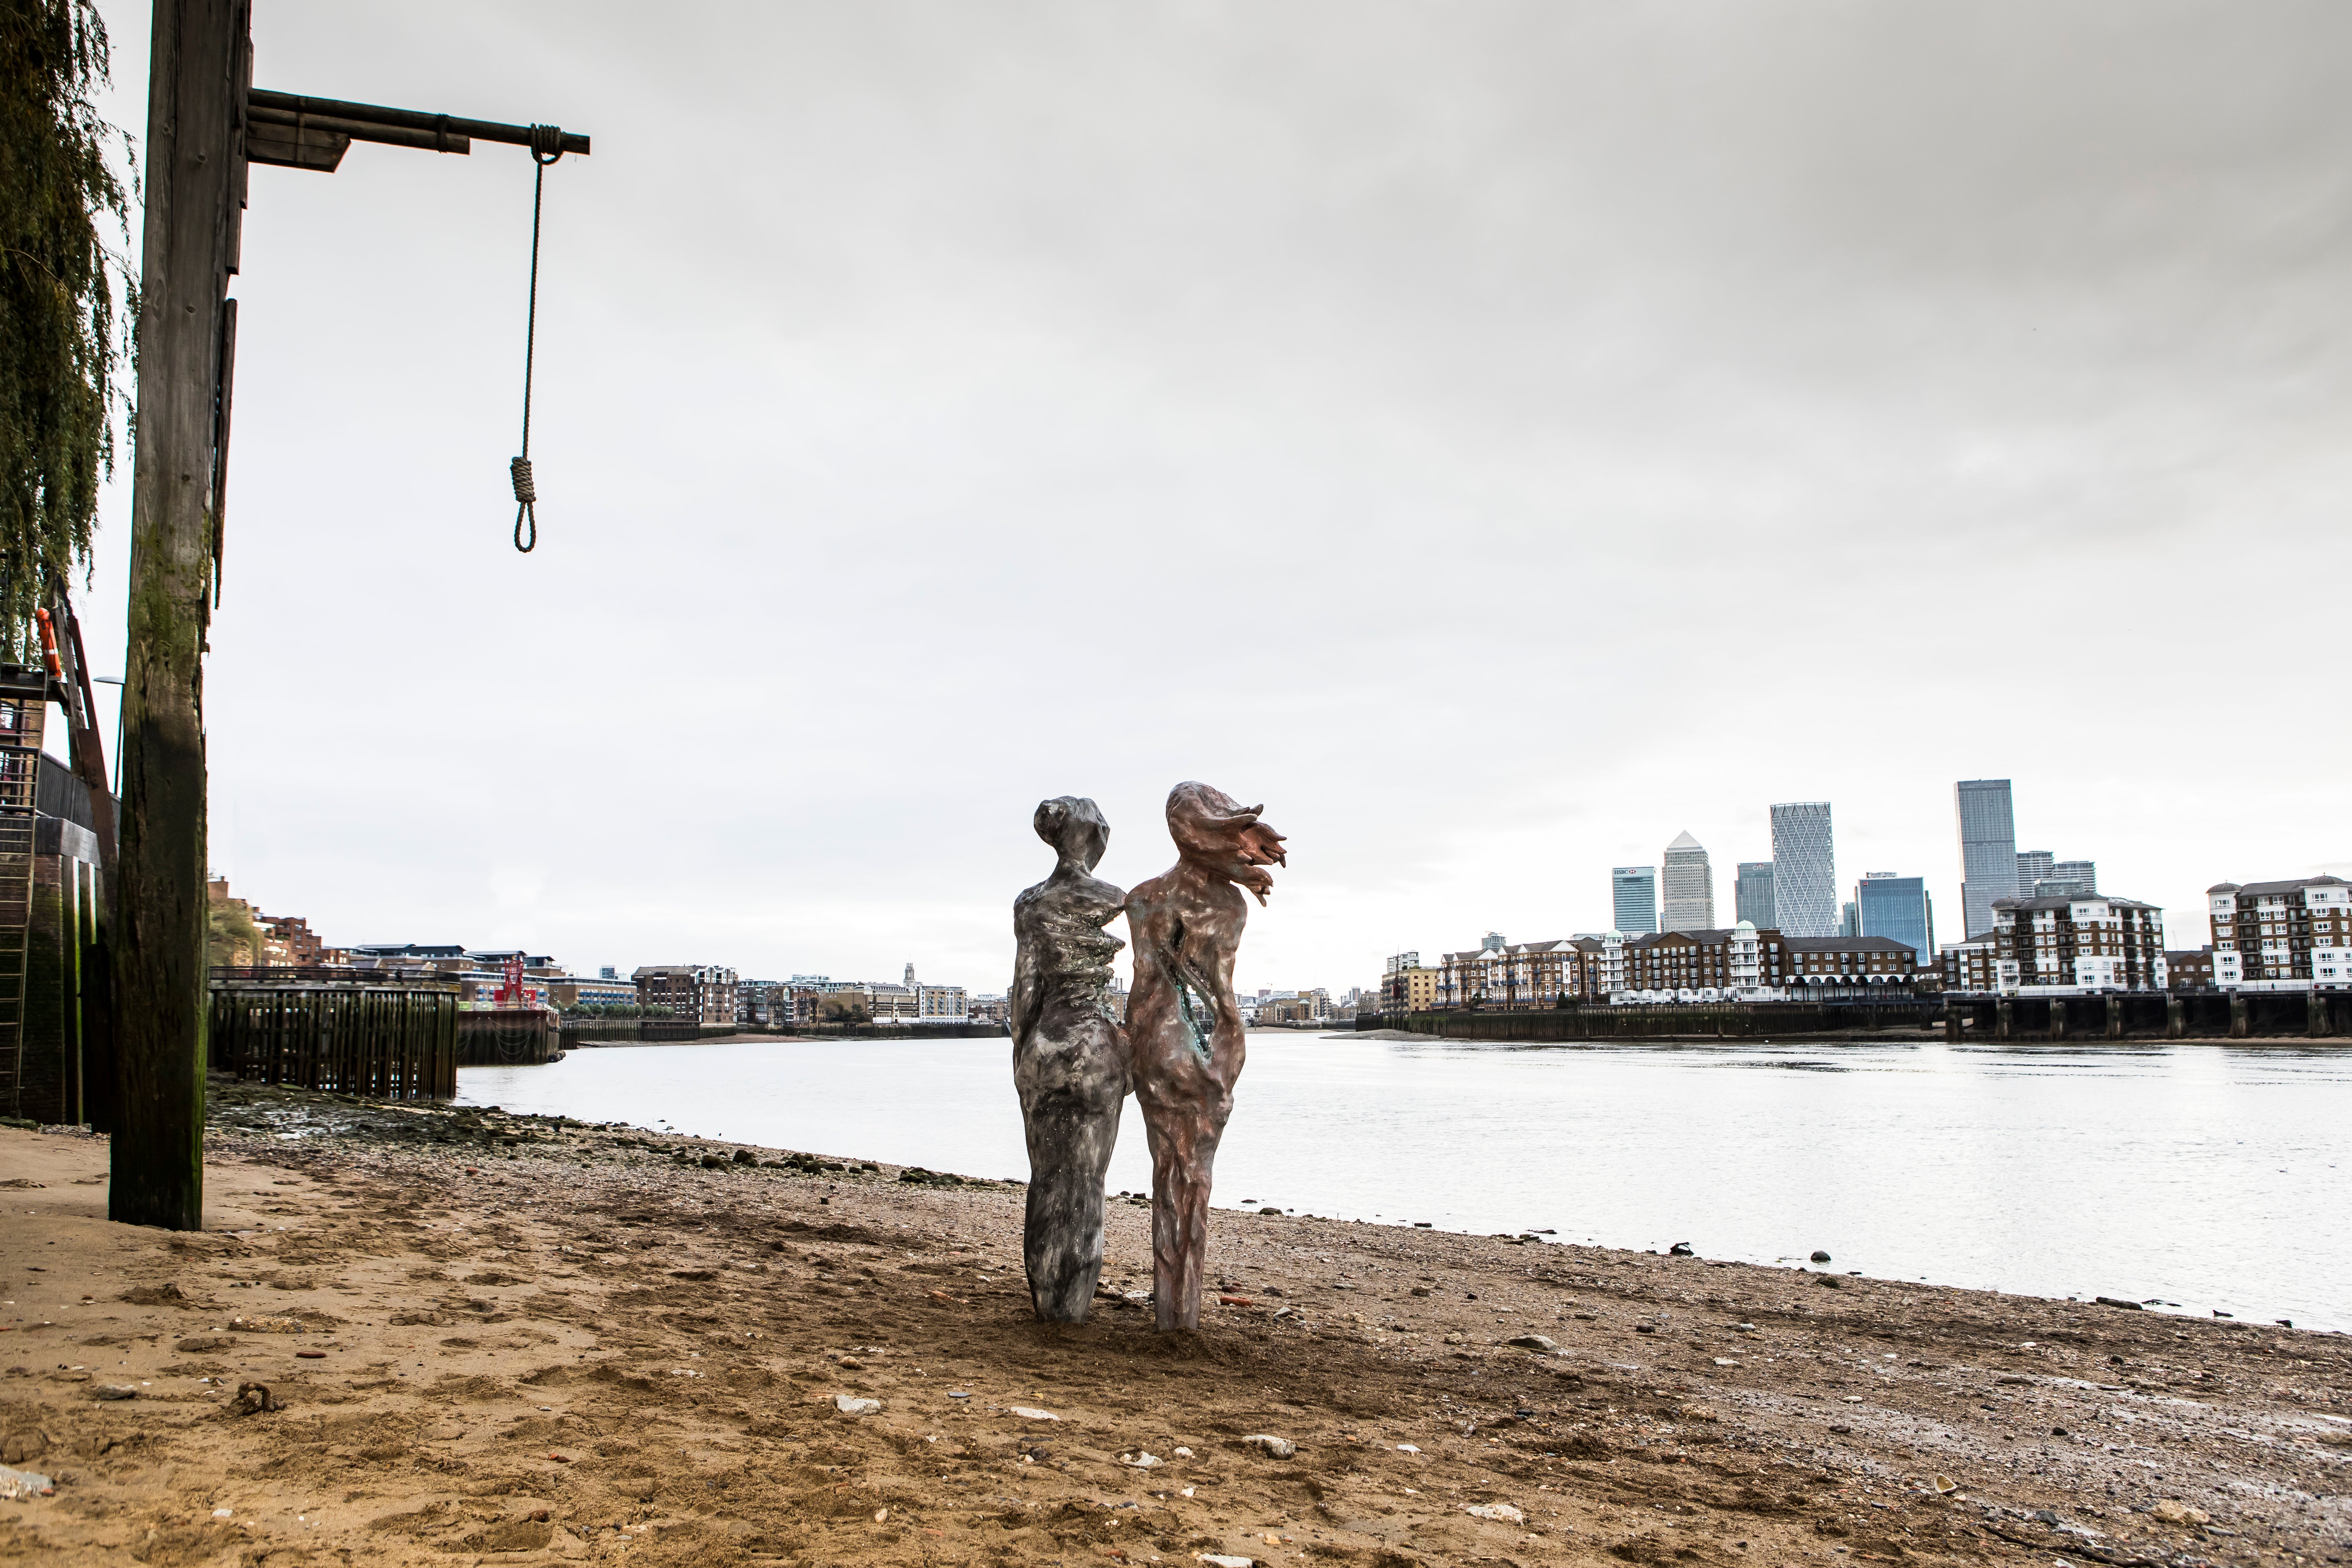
[2201,1174]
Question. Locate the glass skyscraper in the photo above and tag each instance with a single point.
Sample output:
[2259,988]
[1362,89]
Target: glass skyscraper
[2034,868]
[1634,898]
[1752,895]
[2069,879]
[1988,850]
[1889,905]
[1689,886]
[1804,868]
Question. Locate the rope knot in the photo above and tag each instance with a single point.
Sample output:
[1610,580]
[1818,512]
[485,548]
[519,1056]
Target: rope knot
[526,505]
[546,143]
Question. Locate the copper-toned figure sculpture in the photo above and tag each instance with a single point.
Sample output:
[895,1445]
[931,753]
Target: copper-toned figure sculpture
[1069,1057]
[1183,1024]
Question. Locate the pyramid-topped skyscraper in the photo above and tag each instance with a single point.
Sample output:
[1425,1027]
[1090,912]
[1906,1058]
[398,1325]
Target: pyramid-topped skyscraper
[1689,886]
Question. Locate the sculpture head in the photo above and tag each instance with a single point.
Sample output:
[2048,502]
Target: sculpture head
[1221,835]
[1074,827]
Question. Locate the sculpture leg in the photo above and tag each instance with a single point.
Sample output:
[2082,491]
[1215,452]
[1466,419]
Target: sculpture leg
[1184,1159]
[1070,1144]
[1071,1091]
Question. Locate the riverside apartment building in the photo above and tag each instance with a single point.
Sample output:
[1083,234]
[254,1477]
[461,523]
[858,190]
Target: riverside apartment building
[2282,936]
[2062,946]
[703,991]
[1679,965]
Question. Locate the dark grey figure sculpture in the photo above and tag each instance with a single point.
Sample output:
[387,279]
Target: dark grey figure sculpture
[1069,1057]
[1184,1026]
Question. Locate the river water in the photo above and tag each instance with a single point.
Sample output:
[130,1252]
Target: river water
[2199,1174]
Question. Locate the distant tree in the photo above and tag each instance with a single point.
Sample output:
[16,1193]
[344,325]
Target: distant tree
[231,937]
[62,337]
[603,1010]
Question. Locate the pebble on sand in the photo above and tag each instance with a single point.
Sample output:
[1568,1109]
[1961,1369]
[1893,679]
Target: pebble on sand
[1501,1513]
[2172,1510]
[1218,1560]
[1534,1342]
[850,1404]
[1026,1413]
[1275,1447]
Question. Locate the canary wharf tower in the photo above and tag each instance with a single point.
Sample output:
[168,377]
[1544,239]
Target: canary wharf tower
[1804,868]
[1989,855]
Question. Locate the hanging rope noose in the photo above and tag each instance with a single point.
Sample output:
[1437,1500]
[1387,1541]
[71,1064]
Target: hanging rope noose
[546,147]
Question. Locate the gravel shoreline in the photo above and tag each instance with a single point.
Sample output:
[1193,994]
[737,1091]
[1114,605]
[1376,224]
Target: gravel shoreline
[524,1339]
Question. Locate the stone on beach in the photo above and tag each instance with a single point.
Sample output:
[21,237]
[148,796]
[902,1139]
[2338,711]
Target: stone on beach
[1534,1342]
[1271,1445]
[1026,1413]
[2172,1510]
[1501,1513]
[850,1404]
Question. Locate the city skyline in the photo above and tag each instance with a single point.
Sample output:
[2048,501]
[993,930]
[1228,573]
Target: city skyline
[1699,378]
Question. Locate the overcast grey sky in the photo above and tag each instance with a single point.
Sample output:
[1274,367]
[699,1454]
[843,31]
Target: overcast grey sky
[1498,437]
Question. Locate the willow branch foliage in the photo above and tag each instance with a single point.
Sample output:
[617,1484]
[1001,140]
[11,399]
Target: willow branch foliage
[63,332]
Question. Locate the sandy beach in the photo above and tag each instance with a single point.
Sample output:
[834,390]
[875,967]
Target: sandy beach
[487,1337]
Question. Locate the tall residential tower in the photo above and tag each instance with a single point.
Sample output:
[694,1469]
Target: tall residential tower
[1804,868]
[1988,850]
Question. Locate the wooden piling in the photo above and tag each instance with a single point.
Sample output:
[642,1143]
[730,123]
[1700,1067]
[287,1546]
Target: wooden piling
[382,1042]
[198,66]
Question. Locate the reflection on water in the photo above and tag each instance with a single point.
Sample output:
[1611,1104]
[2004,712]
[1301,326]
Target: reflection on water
[2207,1174]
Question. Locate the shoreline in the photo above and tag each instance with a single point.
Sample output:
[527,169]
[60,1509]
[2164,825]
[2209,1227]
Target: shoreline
[531,1340]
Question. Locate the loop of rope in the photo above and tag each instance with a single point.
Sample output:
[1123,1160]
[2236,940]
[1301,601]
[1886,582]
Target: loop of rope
[546,147]
[526,498]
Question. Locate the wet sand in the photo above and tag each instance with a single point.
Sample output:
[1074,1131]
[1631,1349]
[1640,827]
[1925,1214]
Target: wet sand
[521,1340]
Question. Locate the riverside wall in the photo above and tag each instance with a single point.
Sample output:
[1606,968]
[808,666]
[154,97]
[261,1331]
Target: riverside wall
[1702,1021]
[2115,1016]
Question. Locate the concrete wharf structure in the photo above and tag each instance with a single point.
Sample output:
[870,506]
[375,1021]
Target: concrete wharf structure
[2116,1015]
[2151,1014]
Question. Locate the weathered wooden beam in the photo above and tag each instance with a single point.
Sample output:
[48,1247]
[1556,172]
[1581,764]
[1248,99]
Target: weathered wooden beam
[374,114]
[289,146]
[198,66]
[291,140]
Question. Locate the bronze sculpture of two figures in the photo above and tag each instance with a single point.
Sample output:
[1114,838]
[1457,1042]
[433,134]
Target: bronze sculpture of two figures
[1179,1049]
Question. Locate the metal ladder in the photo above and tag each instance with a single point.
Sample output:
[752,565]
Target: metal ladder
[21,713]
